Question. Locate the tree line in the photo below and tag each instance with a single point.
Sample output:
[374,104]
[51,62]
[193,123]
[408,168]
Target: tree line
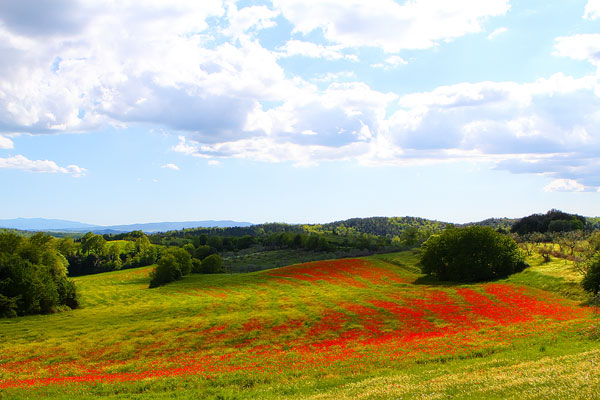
[33,276]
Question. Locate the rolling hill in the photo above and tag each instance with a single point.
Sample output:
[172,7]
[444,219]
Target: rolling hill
[351,328]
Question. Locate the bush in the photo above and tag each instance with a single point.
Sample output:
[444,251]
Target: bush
[213,264]
[470,254]
[172,265]
[591,278]
[166,271]
[196,266]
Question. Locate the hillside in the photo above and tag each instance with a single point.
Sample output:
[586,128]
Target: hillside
[367,328]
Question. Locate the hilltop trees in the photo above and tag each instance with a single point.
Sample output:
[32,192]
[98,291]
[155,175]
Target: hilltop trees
[94,254]
[552,221]
[470,254]
[33,276]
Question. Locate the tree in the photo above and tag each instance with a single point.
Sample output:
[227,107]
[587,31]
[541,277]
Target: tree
[213,264]
[66,247]
[174,263]
[92,243]
[166,271]
[591,277]
[33,276]
[470,254]
[114,255]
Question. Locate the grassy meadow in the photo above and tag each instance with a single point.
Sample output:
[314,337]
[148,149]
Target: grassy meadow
[368,327]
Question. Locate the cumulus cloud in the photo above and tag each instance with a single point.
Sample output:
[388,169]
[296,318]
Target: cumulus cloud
[548,126]
[248,18]
[585,47]
[592,10]
[197,69]
[40,166]
[312,50]
[171,166]
[418,24]
[90,64]
[391,62]
[564,185]
[6,143]
[336,76]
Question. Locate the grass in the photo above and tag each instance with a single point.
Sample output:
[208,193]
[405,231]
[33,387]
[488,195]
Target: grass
[350,328]
[251,260]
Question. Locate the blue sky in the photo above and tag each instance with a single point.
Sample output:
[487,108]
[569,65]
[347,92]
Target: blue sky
[298,111]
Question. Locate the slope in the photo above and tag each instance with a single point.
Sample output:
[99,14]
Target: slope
[325,329]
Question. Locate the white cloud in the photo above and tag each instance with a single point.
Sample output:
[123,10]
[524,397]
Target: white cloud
[336,76]
[248,18]
[391,62]
[592,10]
[497,32]
[171,166]
[564,185]
[396,61]
[41,166]
[549,126]
[312,50]
[585,47]
[5,143]
[213,84]
[418,24]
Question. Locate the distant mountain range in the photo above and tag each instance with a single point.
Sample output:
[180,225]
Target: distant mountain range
[43,224]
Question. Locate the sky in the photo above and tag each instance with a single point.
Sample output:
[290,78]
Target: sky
[116,112]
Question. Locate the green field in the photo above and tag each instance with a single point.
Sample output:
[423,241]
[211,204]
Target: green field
[351,328]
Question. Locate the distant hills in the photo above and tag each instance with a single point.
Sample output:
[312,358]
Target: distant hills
[381,226]
[58,225]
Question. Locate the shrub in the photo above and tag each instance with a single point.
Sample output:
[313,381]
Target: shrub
[470,254]
[213,264]
[167,270]
[591,278]
[172,265]
[196,266]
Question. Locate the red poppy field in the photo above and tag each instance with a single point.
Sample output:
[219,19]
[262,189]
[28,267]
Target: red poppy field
[306,330]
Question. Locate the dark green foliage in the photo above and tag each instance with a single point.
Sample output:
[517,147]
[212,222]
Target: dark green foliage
[470,254]
[591,278]
[166,271]
[182,257]
[203,251]
[174,263]
[33,276]
[196,266]
[212,264]
[552,221]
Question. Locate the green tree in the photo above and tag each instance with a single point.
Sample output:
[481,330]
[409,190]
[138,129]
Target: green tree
[173,263]
[33,276]
[213,264]
[92,244]
[66,247]
[470,254]
[167,270]
[113,253]
[591,277]
[203,251]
